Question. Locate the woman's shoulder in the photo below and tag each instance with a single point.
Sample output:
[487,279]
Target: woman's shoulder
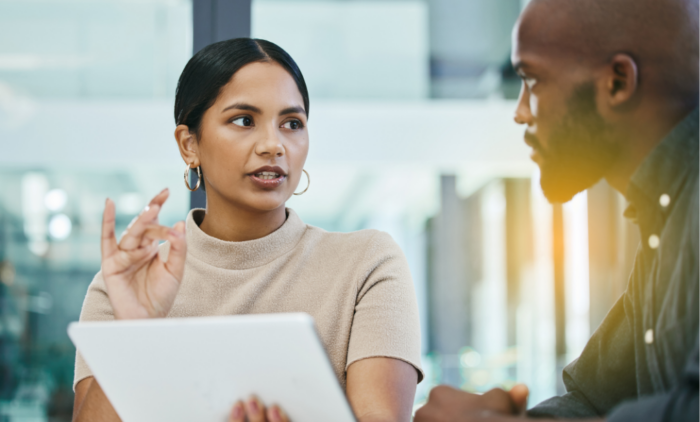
[365,241]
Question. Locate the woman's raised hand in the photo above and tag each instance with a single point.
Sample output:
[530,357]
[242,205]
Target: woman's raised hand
[139,283]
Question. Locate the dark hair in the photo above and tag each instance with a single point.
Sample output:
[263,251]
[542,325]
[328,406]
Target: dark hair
[212,68]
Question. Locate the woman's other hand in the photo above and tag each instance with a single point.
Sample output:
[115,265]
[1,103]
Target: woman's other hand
[254,411]
[139,283]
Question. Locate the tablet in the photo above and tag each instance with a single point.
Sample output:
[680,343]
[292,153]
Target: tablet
[195,369]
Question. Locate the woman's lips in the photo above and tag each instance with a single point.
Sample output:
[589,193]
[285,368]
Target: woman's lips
[267,180]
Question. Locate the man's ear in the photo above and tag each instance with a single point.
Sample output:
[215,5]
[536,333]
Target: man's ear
[187,143]
[621,79]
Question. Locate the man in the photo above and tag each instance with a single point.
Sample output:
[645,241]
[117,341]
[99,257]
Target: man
[610,90]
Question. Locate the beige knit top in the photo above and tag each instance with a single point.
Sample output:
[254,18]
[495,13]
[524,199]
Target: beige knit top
[357,286]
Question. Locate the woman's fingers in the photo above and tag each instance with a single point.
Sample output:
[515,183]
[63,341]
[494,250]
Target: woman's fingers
[109,240]
[155,232]
[156,200]
[175,264]
[237,413]
[275,414]
[160,198]
[255,410]
[133,236]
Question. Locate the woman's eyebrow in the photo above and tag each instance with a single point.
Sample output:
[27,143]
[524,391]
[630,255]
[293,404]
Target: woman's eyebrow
[292,110]
[242,106]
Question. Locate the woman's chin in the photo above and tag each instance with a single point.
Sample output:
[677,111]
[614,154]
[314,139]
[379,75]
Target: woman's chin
[268,201]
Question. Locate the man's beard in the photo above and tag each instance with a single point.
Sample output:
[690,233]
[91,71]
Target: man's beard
[580,149]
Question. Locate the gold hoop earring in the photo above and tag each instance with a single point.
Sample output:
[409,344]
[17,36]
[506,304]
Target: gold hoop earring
[187,181]
[307,184]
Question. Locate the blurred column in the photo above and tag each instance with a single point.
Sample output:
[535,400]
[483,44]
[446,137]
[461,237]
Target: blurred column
[559,291]
[519,247]
[469,45]
[449,281]
[213,21]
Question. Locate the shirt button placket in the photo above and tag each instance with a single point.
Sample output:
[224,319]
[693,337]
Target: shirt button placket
[653,241]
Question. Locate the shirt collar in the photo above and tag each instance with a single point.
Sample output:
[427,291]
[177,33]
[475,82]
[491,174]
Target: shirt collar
[656,183]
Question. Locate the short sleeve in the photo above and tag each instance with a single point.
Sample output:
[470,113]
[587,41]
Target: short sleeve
[96,307]
[386,322]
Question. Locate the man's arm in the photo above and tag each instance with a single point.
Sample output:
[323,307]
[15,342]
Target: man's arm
[602,377]
[683,402]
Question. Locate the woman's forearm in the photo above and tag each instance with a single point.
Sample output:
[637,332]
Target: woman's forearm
[94,407]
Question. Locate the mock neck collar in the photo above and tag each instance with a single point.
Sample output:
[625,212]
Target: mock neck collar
[242,255]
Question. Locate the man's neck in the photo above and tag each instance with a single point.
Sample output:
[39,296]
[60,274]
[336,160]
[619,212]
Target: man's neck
[646,131]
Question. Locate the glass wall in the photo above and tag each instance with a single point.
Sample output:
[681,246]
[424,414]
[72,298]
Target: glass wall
[86,92]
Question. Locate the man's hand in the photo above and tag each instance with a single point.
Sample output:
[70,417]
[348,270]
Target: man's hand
[518,395]
[447,404]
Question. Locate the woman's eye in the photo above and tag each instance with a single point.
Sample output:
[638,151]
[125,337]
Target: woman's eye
[243,121]
[292,124]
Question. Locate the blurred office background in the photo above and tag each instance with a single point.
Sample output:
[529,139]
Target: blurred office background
[411,132]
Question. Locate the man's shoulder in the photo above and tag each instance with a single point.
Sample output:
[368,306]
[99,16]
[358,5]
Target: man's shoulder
[693,212]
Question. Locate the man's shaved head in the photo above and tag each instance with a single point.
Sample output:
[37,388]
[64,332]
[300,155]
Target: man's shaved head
[661,35]
[604,82]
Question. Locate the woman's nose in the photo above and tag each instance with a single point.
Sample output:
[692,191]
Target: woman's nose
[270,144]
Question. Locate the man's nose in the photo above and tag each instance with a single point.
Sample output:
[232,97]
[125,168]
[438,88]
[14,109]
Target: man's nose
[523,114]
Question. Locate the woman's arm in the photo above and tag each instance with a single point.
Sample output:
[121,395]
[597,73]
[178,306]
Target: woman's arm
[381,389]
[91,404]
[139,285]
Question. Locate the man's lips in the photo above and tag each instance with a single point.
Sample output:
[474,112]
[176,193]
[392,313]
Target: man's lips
[536,155]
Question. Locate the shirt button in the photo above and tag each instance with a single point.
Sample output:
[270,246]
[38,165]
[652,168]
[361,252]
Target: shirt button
[649,336]
[664,200]
[653,241]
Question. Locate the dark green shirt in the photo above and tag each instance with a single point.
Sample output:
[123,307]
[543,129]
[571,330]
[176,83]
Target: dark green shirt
[642,363]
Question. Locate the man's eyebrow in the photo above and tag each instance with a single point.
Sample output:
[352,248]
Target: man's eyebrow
[518,66]
[242,106]
[292,110]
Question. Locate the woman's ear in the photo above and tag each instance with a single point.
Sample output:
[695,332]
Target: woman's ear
[187,142]
[621,80]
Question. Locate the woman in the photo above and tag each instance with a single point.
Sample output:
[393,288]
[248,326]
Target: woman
[241,111]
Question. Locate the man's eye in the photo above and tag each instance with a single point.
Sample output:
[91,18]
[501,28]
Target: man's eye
[292,124]
[529,82]
[243,121]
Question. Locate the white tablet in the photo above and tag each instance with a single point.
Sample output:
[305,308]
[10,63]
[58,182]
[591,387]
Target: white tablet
[195,369]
